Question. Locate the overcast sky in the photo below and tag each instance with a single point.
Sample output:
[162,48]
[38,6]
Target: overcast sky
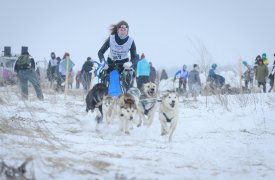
[163,30]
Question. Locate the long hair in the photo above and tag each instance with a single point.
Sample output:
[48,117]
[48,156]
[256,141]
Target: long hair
[114,27]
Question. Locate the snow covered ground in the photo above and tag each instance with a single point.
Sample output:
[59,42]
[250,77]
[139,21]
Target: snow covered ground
[230,137]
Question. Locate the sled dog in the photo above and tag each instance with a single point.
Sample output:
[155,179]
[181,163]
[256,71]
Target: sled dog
[107,108]
[168,113]
[148,103]
[94,100]
[125,110]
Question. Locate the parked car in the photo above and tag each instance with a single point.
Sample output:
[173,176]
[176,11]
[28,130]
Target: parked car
[7,74]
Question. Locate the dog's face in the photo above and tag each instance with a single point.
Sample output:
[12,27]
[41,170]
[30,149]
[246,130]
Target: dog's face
[107,101]
[171,100]
[150,89]
[128,112]
[127,106]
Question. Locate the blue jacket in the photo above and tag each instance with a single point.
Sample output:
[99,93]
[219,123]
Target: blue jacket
[183,74]
[211,73]
[143,68]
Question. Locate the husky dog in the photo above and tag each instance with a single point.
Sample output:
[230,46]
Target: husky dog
[148,103]
[126,109]
[94,100]
[168,113]
[107,108]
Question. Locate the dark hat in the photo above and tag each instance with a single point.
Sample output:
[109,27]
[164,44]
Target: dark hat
[89,58]
[258,57]
[195,65]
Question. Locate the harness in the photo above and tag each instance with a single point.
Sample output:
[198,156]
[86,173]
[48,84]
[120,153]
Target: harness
[166,117]
[148,104]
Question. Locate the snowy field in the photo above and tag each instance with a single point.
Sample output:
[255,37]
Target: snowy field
[230,137]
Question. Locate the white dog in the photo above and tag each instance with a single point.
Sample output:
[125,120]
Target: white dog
[168,114]
[148,103]
[125,110]
[107,108]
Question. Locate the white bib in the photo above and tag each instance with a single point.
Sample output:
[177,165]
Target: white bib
[119,52]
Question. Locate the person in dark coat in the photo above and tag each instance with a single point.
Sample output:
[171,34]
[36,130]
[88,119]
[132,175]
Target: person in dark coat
[248,75]
[194,81]
[78,80]
[25,69]
[86,73]
[163,75]
[271,76]
[261,74]
[153,73]
[215,79]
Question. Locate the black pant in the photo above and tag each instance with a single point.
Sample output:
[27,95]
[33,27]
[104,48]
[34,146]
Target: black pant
[182,82]
[86,80]
[262,83]
[118,65]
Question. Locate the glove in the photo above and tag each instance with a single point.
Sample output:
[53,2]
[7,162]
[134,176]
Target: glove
[105,67]
[127,64]
[102,60]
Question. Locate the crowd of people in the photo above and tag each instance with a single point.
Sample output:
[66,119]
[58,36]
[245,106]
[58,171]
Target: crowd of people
[128,69]
[260,72]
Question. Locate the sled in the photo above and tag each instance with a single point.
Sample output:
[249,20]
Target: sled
[114,88]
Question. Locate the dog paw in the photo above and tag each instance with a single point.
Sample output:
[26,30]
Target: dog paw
[98,119]
[139,125]
[163,133]
[127,132]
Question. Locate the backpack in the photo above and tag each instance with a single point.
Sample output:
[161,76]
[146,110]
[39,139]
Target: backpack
[24,61]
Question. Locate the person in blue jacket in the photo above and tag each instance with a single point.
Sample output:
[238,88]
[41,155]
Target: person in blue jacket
[183,76]
[214,78]
[143,72]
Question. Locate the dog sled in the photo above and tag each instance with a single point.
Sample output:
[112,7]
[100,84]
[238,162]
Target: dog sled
[117,83]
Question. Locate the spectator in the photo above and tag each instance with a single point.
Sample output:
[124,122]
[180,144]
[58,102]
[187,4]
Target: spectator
[194,81]
[86,73]
[183,75]
[25,69]
[163,75]
[216,81]
[248,75]
[153,73]
[77,80]
[65,68]
[261,74]
[265,60]
[271,76]
[143,72]
[51,71]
